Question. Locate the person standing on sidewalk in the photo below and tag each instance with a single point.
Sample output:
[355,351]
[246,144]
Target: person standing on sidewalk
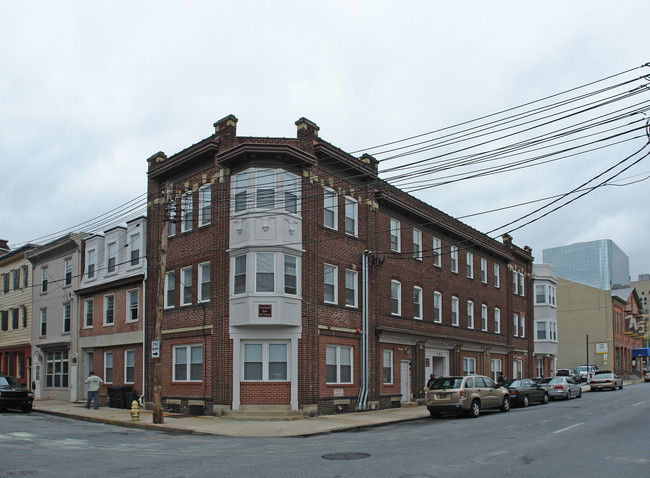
[93,382]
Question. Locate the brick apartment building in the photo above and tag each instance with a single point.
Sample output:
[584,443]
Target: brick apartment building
[111,309]
[297,278]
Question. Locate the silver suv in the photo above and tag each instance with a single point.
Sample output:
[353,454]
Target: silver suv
[469,395]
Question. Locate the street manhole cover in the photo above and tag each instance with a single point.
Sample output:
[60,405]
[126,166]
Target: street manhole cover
[345,456]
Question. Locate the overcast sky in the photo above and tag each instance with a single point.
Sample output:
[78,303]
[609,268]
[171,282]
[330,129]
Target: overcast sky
[90,90]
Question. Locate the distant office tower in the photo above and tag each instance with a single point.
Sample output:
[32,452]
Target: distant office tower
[601,264]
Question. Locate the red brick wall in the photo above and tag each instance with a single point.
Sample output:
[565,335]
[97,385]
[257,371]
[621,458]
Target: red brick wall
[265,393]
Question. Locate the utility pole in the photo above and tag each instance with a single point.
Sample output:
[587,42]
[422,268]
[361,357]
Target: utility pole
[158,416]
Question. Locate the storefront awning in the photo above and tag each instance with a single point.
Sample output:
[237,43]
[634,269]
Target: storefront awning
[643,352]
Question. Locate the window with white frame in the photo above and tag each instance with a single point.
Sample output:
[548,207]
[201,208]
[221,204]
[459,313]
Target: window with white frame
[111,257]
[67,267]
[129,366]
[240,191]
[330,274]
[91,261]
[470,265]
[469,366]
[134,249]
[553,328]
[89,312]
[540,367]
[67,314]
[495,369]
[5,283]
[453,257]
[388,367]
[417,244]
[170,286]
[551,297]
[497,320]
[25,276]
[540,294]
[350,288]
[454,311]
[515,323]
[188,363]
[15,312]
[540,325]
[484,317]
[109,309]
[330,207]
[351,216]
[23,316]
[338,366]
[15,279]
[186,285]
[204,282]
[291,187]
[205,204]
[108,367]
[522,325]
[239,281]
[437,307]
[470,314]
[436,251]
[417,302]
[132,305]
[266,361]
[521,284]
[264,272]
[265,187]
[395,235]
[270,189]
[171,230]
[517,369]
[515,282]
[484,266]
[497,276]
[57,369]
[44,279]
[395,298]
[187,210]
[290,274]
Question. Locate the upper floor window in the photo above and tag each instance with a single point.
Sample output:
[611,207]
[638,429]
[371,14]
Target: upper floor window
[330,208]
[265,272]
[91,260]
[239,283]
[187,209]
[453,257]
[484,317]
[290,274]
[109,309]
[204,282]
[521,284]
[395,234]
[43,331]
[541,330]
[417,244]
[515,282]
[134,248]
[25,276]
[551,295]
[436,251]
[470,314]
[67,315]
[540,294]
[272,189]
[350,288]
[329,283]
[395,298]
[15,278]
[497,278]
[484,266]
[5,283]
[454,311]
[497,321]
[67,266]
[515,323]
[205,204]
[170,285]
[111,257]
[89,309]
[437,307]
[351,216]
[470,265]
[522,325]
[44,277]
[132,305]
[417,303]
[186,285]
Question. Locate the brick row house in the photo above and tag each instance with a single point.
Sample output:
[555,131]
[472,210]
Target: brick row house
[111,308]
[545,282]
[297,278]
[56,270]
[15,312]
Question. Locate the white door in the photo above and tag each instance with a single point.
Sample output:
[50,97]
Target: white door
[37,380]
[406,380]
[88,368]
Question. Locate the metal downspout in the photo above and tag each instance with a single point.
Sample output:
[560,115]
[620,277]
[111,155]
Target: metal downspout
[363,392]
[144,331]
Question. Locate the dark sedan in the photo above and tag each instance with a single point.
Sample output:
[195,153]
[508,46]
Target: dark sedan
[524,391]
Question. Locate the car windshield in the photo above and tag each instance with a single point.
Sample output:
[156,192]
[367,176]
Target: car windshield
[514,384]
[603,375]
[583,368]
[9,382]
[447,382]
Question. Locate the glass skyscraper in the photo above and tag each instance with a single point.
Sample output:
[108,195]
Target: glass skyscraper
[601,264]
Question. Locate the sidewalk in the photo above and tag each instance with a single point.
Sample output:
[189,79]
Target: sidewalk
[211,425]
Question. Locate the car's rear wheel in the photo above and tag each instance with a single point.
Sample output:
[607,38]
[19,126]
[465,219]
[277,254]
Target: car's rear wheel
[621,387]
[568,394]
[545,399]
[474,409]
[525,401]
[434,414]
[505,405]
[579,393]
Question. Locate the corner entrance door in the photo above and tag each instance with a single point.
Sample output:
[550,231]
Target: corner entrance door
[405,374]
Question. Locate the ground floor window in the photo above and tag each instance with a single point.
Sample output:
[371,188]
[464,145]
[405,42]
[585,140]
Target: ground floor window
[338,364]
[266,361]
[108,367]
[56,366]
[129,366]
[540,366]
[517,369]
[388,367]
[469,366]
[495,369]
[188,363]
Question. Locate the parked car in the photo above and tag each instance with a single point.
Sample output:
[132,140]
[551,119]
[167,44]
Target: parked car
[561,387]
[646,374]
[602,381]
[468,395]
[524,391]
[568,372]
[14,395]
[587,372]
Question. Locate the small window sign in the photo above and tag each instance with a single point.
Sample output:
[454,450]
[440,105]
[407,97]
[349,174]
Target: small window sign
[264,310]
[338,392]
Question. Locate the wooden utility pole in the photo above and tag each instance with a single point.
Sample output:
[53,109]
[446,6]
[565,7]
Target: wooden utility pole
[158,415]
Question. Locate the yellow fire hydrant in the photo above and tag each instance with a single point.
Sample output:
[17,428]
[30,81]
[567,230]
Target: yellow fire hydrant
[135,411]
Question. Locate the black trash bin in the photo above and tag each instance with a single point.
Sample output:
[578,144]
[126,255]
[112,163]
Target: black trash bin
[129,396]
[121,396]
[110,396]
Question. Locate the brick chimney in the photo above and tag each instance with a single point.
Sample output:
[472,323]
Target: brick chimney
[226,129]
[307,134]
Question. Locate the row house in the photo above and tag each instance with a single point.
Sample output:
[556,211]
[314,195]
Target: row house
[56,270]
[297,278]
[111,307]
[545,282]
[15,312]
